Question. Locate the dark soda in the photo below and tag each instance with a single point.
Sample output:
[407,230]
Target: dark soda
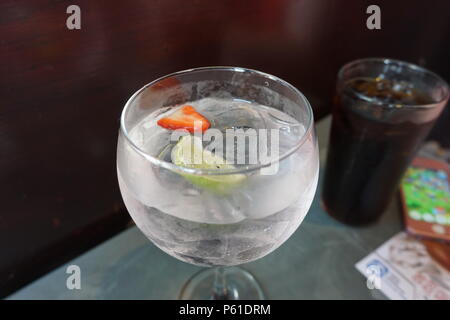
[377,128]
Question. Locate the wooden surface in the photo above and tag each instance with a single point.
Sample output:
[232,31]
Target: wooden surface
[62,92]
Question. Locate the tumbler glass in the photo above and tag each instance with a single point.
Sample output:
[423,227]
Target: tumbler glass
[383,110]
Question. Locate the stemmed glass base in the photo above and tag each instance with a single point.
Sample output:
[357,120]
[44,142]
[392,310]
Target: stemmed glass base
[230,283]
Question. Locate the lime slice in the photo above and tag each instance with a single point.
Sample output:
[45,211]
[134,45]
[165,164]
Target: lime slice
[189,153]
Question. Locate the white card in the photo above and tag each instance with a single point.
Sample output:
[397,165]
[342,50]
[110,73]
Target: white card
[403,270]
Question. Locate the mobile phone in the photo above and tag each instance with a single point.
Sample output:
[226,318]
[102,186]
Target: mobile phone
[425,194]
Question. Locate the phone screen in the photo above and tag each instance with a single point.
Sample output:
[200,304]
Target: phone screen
[427,195]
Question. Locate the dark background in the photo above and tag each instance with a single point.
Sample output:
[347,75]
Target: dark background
[62,91]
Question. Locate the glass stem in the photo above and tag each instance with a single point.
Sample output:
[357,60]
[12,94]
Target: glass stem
[220,291]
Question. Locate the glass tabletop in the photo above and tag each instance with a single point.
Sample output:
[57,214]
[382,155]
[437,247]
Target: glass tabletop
[317,262]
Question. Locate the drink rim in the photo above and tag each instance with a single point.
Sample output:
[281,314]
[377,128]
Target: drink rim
[195,171]
[409,65]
